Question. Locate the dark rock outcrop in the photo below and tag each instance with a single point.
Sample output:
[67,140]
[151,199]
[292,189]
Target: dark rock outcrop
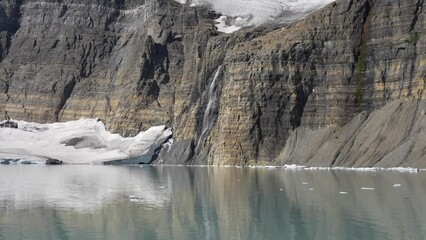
[230,99]
[8,124]
[54,162]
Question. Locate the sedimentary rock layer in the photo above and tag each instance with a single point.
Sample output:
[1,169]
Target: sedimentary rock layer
[350,57]
[122,63]
[391,136]
[230,99]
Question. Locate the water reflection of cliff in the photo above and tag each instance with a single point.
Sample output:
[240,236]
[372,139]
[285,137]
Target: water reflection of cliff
[211,203]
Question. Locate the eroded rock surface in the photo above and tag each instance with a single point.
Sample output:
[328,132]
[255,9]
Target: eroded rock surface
[239,98]
[391,136]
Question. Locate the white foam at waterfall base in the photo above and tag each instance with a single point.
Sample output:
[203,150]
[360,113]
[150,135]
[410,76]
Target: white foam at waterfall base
[84,141]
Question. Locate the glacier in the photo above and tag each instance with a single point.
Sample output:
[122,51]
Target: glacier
[84,141]
[242,13]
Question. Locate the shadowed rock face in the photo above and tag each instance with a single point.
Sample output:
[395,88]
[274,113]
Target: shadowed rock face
[118,60]
[141,63]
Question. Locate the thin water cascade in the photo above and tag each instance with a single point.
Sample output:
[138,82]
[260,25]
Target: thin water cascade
[211,106]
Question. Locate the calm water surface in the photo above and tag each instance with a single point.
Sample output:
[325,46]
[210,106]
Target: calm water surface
[107,202]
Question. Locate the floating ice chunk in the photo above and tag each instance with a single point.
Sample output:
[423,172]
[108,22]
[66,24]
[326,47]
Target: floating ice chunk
[26,162]
[270,167]
[7,158]
[403,169]
[294,166]
[319,168]
[366,169]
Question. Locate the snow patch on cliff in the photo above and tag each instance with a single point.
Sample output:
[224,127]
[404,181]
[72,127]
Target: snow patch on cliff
[256,12]
[222,25]
[84,141]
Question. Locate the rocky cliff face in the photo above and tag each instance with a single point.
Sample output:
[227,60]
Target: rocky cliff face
[116,60]
[391,136]
[352,56]
[230,99]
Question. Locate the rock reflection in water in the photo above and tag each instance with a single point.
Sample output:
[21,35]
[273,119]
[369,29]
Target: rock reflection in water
[86,202]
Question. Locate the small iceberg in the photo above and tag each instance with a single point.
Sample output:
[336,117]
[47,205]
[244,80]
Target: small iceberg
[404,169]
[26,162]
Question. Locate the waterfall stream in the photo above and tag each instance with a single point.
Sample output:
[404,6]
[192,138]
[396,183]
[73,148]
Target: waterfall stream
[211,106]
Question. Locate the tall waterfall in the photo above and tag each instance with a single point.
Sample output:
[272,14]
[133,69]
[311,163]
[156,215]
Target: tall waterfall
[211,106]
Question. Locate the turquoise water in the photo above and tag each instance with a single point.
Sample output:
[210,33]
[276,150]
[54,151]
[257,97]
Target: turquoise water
[110,202]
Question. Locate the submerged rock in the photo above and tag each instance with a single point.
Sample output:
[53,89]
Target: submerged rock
[5,161]
[9,124]
[53,162]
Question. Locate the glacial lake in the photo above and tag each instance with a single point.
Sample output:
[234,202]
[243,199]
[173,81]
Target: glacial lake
[131,202]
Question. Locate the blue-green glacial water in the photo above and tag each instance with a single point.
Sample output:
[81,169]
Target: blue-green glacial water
[130,202]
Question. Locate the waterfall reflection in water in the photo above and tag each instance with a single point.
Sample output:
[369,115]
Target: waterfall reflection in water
[87,202]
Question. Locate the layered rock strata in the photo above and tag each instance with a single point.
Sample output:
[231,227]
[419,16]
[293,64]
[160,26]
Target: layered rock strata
[389,137]
[121,62]
[240,98]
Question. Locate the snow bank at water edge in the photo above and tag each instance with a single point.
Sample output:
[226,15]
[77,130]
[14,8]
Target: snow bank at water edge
[84,141]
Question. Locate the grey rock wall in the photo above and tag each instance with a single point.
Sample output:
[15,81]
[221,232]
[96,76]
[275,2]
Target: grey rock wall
[391,136]
[136,64]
